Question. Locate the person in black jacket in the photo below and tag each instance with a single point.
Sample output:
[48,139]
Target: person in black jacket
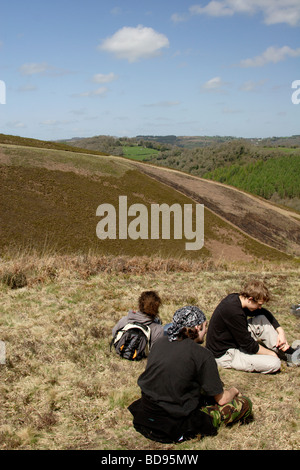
[182,394]
[247,344]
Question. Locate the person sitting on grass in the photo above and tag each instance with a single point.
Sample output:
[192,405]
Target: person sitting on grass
[148,314]
[249,344]
[182,395]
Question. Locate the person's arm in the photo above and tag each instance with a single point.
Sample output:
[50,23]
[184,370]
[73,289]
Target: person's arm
[266,351]
[122,322]
[281,340]
[236,323]
[226,396]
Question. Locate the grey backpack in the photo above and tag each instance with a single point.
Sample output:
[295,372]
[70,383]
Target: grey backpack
[132,342]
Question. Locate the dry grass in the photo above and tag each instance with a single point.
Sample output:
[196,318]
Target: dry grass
[62,388]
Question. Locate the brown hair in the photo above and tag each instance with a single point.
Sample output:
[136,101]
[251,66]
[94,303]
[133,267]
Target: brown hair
[188,332]
[149,303]
[255,289]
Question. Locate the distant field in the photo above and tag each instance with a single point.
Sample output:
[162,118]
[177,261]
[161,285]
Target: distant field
[138,153]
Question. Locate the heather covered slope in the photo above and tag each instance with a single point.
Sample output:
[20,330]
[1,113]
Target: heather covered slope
[49,200]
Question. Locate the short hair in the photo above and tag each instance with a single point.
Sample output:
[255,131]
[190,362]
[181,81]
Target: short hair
[149,303]
[255,289]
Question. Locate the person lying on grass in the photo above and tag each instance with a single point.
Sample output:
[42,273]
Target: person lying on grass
[147,314]
[253,344]
[182,395]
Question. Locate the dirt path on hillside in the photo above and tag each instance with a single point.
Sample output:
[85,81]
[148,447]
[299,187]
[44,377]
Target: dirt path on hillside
[270,224]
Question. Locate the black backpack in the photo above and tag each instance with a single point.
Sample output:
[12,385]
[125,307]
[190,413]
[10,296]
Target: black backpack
[132,342]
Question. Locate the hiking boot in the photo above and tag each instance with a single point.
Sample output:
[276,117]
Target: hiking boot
[293,359]
[295,309]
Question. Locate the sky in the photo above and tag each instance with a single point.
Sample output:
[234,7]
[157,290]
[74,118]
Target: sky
[74,68]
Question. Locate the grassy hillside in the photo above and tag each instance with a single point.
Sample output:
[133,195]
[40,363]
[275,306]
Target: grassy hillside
[62,290]
[61,388]
[226,159]
[24,141]
[49,201]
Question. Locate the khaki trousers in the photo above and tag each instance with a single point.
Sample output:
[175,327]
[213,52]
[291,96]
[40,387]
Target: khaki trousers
[263,332]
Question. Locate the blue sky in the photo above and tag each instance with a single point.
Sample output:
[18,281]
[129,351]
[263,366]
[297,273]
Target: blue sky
[125,68]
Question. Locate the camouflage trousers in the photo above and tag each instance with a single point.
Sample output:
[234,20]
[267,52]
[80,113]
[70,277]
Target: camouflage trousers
[239,408]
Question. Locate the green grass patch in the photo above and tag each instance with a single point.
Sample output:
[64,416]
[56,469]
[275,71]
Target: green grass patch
[138,153]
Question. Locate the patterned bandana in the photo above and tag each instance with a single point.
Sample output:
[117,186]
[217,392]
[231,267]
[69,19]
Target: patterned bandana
[188,316]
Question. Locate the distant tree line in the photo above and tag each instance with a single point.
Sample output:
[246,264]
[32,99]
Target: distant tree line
[280,176]
[252,165]
[272,173]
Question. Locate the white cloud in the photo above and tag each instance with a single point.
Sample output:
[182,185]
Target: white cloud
[50,122]
[55,122]
[34,68]
[27,87]
[116,11]
[135,43]
[274,11]
[213,8]
[252,86]
[99,92]
[179,18]
[163,104]
[212,83]
[42,68]
[104,78]
[215,84]
[16,124]
[231,111]
[271,55]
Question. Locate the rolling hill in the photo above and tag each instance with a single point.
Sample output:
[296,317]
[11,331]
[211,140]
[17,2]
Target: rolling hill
[50,196]
[265,167]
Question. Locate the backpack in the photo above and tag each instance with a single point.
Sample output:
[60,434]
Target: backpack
[132,342]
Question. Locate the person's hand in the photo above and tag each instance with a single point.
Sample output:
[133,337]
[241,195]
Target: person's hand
[235,392]
[227,396]
[282,343]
